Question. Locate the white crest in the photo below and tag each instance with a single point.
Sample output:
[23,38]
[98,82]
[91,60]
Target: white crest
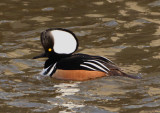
[64,42]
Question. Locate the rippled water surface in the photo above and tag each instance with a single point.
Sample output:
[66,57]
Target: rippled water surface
[125,31]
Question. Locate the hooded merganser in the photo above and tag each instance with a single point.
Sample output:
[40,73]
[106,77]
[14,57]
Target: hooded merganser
[62,63]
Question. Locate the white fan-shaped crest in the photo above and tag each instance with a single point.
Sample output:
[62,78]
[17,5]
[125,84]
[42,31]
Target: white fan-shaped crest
[64,42]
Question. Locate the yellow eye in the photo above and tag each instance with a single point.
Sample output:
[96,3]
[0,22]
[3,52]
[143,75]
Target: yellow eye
[49,49]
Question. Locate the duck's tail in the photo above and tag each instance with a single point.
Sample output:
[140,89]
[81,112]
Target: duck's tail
[120,73]
[131,76]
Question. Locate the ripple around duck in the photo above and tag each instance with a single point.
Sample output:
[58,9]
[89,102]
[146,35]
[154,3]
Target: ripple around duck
[155,4]
[38,107]
[48,9]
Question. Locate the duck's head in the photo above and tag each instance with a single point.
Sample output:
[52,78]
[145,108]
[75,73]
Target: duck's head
[58,42]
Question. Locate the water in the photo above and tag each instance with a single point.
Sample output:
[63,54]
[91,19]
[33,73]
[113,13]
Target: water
[125,31]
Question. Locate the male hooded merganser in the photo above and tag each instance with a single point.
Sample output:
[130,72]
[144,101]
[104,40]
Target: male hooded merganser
[62,63]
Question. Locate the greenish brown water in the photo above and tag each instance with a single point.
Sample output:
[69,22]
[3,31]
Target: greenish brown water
[125,31]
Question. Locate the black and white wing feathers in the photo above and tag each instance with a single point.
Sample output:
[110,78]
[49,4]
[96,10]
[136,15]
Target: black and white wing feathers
[85,62]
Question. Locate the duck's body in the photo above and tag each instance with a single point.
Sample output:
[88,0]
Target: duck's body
[63,64]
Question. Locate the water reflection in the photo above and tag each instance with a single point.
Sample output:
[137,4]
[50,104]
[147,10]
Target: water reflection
[127,32]
[66,90]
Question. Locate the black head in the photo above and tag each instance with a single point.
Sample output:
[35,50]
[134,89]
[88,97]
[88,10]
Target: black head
[58,42]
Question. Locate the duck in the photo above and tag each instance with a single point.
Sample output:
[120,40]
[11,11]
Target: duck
[63,63]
